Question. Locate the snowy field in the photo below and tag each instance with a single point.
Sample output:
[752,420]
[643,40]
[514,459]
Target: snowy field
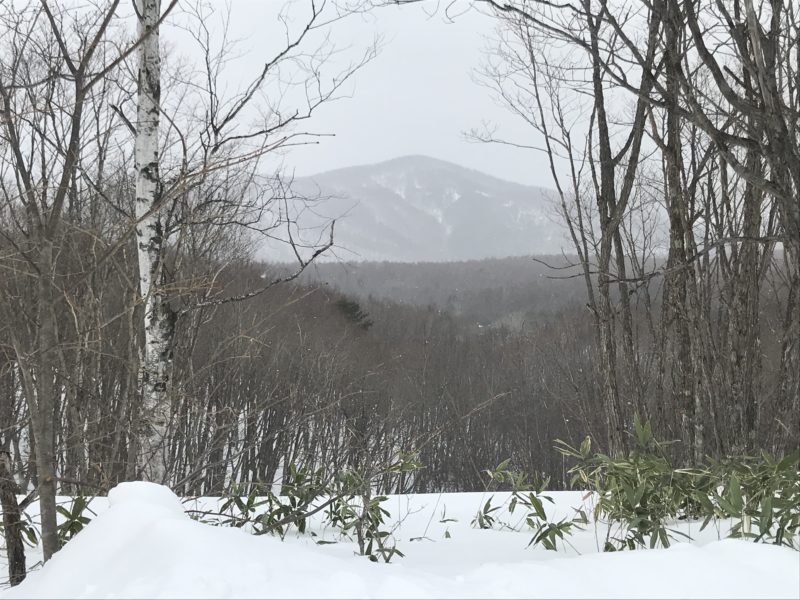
[143,544]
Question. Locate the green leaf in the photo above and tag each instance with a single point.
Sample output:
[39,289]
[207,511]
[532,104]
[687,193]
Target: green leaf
[727,507]
[788,461]
[79,504]
[664,539]
[765,520]
[629,494]
[706,522]
[735,491]
[538,507]
[706,503]
[31,535]
[586,446]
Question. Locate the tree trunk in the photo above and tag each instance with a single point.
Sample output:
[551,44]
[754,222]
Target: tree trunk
[15,549]
[44,406]
[156,358]
[676,309]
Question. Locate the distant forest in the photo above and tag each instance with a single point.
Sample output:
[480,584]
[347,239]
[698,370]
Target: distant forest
[306,374]
[511,291]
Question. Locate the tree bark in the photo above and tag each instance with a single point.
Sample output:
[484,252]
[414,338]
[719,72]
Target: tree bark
[156,354]
[12,521]
[44,415]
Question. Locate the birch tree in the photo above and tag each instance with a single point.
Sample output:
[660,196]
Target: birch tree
[214,179]
[156,351]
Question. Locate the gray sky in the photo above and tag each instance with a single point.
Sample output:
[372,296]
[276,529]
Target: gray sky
[417,97]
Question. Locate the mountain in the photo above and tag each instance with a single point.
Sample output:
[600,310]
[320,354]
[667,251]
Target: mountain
[418,208]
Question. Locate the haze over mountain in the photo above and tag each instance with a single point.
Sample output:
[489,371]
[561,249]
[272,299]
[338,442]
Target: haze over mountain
[417,208]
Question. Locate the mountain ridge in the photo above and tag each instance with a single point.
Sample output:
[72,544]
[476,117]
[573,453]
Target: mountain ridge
[418,159]
[417,208]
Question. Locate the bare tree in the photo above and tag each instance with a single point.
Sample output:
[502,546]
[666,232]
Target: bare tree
[707,116]
[46,78]
[542,88]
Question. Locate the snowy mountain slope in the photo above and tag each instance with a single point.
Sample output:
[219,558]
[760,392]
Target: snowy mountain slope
[418,208]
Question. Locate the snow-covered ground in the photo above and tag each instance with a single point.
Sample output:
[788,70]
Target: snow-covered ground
[143,544]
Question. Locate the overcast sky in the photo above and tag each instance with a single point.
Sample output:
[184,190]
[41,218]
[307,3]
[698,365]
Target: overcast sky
[417,97]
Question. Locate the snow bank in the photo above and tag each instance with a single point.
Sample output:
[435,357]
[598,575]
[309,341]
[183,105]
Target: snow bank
[144,545]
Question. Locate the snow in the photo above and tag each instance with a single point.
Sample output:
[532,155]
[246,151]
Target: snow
[395,182]
[452,195]
[142,544]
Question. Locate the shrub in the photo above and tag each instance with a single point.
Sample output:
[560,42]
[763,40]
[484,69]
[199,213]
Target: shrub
[530,496]
[640,494]
[74,518]
[346,497]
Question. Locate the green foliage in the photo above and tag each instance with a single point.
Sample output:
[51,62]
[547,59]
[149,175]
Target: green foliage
[639,495]
[363,516]
[530,496]
[484,519]
[761,495]
[30,534]
[75,519]
[346,497]
[297,495]
[356,511]
[263,511]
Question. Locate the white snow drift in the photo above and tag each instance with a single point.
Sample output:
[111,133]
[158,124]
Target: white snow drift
[144,545]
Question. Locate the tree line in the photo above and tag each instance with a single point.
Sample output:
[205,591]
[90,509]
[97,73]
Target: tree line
[678,121]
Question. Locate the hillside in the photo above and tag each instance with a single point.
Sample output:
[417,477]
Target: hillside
[492,291]
[418,208]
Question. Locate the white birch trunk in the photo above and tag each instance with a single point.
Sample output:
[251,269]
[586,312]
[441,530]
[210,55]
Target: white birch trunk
[155,361]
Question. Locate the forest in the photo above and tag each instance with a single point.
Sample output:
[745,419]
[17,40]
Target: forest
[141,340]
